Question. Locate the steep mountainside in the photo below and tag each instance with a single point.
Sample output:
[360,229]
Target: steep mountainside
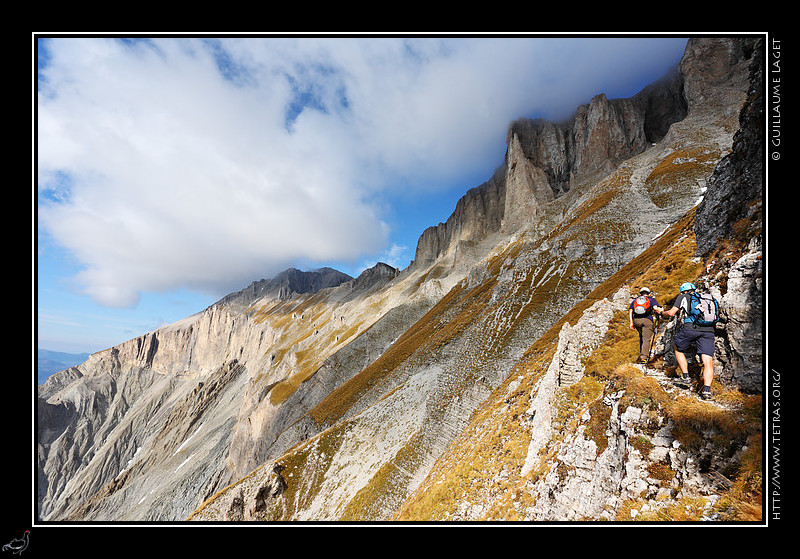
[489,380]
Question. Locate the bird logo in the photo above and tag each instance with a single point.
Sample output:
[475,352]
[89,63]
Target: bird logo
[18,545]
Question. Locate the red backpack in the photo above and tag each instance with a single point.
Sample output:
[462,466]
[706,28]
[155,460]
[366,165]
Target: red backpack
[641,305]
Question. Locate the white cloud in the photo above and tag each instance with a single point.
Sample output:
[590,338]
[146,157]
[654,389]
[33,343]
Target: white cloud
[184,163]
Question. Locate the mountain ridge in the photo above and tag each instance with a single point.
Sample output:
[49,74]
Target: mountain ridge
[338,404]
[285,284]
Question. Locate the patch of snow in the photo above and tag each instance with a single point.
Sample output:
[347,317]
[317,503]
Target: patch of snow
[187,440]
[128,465]
[182,464]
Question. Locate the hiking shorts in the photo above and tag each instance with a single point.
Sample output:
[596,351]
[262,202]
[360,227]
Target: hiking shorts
[704,340]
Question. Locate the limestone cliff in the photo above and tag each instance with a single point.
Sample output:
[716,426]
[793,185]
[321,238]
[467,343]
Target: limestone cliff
[284,285]
[472,385]
[477,215]
[544,159]
[577,432]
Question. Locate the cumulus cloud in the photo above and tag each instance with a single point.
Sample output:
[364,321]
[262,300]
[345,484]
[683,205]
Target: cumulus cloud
[207,163]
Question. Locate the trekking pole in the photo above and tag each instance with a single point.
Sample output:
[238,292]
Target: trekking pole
[653,341]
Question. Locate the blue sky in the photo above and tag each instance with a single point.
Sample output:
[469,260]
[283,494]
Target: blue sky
[172,171]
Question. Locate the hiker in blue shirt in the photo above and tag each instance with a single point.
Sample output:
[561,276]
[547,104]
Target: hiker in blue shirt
[697,330]
[640,317]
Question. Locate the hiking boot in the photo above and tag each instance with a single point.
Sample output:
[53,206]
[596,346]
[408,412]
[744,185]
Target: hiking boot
[706,393]
[685,381]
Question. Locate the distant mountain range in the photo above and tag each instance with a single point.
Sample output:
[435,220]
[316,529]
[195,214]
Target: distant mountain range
[49,362]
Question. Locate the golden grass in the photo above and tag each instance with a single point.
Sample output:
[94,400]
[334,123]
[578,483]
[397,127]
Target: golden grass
[385,485]
[663,266]
[694,420]
[687,509]
[493,443]
[430,332]
[640,390]
[744,500]
[481,453]
[667,180]
[570,402]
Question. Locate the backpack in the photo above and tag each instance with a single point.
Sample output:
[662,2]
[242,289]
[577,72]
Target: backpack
[703,309]
[641,305]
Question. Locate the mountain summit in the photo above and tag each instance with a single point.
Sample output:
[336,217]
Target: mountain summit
[285,285]
[490,380]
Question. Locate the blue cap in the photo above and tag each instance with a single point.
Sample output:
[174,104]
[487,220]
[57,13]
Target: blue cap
[687,287]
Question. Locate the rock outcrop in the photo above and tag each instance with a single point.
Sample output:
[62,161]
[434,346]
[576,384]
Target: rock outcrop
[600,134]
[715,71]
[478,214]
[544,159]
[731,211]
[732,205]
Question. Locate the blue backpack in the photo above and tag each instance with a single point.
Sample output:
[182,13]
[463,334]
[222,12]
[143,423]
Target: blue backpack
[703,309]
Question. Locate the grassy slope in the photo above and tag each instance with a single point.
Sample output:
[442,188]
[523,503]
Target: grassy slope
[484,465]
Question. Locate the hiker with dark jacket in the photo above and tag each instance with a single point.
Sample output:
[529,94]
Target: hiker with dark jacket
[640,316]
[697,330]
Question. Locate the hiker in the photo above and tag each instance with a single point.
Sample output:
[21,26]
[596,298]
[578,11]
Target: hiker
[697,327]
[640,317]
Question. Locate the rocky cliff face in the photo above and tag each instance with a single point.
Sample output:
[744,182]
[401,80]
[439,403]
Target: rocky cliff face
[477,215]
[283,286]
[544,159]
[455,389]
[728,228]
[600,134]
